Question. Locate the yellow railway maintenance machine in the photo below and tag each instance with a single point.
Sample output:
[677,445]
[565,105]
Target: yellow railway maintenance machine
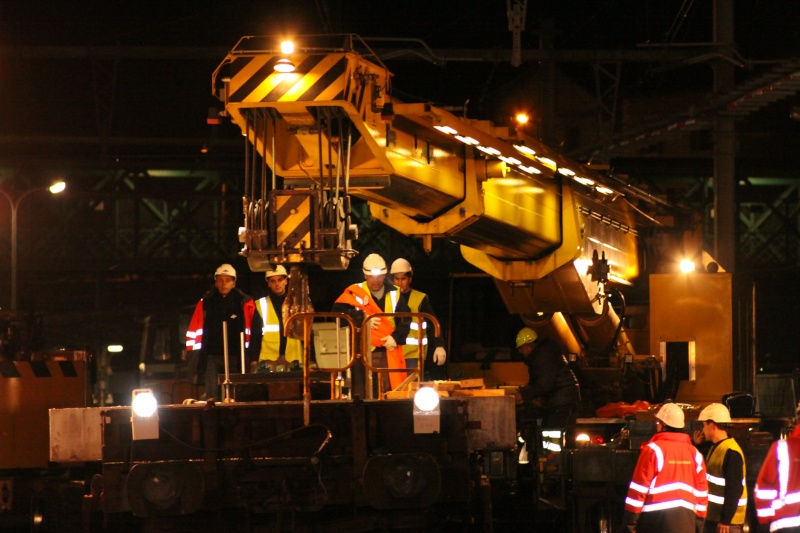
[323,127]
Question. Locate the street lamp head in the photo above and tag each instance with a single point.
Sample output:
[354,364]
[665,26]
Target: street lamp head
[58,187]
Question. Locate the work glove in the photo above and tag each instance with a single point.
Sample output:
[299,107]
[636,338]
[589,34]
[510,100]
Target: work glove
[389,343]
[439,356]
[374,322]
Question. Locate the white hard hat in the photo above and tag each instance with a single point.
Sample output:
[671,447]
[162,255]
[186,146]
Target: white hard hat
[715,412]
[374,265]
[225,270]
[279,270]
[401,266]
[671,415]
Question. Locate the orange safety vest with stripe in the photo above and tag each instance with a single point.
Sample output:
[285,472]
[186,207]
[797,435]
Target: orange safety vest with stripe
[271,335]
[777,493]
[359,296]
[411,349]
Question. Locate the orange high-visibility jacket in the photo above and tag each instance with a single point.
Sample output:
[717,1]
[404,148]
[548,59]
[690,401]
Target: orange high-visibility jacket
[359,297]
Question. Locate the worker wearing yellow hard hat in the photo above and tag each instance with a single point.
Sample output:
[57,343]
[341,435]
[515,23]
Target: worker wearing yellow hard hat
[551,383]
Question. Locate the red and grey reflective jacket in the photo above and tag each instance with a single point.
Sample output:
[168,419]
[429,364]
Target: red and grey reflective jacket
[670,476]
[194,333]
[777,493]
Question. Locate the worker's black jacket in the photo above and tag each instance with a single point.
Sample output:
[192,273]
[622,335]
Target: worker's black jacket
[550,377]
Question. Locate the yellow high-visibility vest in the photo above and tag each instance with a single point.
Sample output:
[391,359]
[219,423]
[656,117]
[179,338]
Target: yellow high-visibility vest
[411,348]
[716,483]
[271,336]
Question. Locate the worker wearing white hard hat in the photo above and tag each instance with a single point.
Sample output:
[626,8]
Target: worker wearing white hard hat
[205,337]
[278,353]
[669,491]
[552,386]
[376,295]
[418,302]
[725,461]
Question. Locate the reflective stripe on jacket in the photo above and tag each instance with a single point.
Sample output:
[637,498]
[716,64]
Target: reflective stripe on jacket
[194,333]
[271,335]
[777,492]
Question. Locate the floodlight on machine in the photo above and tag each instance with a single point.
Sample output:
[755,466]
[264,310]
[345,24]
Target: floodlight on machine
[427,415]
[144,415]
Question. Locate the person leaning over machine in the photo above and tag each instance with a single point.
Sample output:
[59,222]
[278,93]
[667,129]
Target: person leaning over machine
[727,490]
[418,302]
[551,382]
[669,491]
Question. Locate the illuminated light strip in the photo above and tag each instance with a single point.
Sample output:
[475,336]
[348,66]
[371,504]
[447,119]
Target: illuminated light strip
[549,163]
[525,149]
[446,129]
[488,150]
[565,171]
[584,181]
[467,140]
[604,190]
[530,170]
[606,220]
[510,160]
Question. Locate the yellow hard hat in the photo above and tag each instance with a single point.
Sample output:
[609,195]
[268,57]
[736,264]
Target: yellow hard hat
[715,412]
[671,415]
[374,265]
[525,336]
[277,271]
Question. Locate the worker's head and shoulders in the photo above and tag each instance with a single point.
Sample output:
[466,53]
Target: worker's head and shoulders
[277,279]
[531,346]
[225,286]
[716,419]
[402,276]
[670,423]
[375,279]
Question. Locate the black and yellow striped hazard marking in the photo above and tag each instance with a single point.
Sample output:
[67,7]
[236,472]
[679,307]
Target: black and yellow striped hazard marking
[293,220]
[317,78]
[39,369]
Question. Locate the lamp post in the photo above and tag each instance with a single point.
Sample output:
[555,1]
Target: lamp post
[14,204]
